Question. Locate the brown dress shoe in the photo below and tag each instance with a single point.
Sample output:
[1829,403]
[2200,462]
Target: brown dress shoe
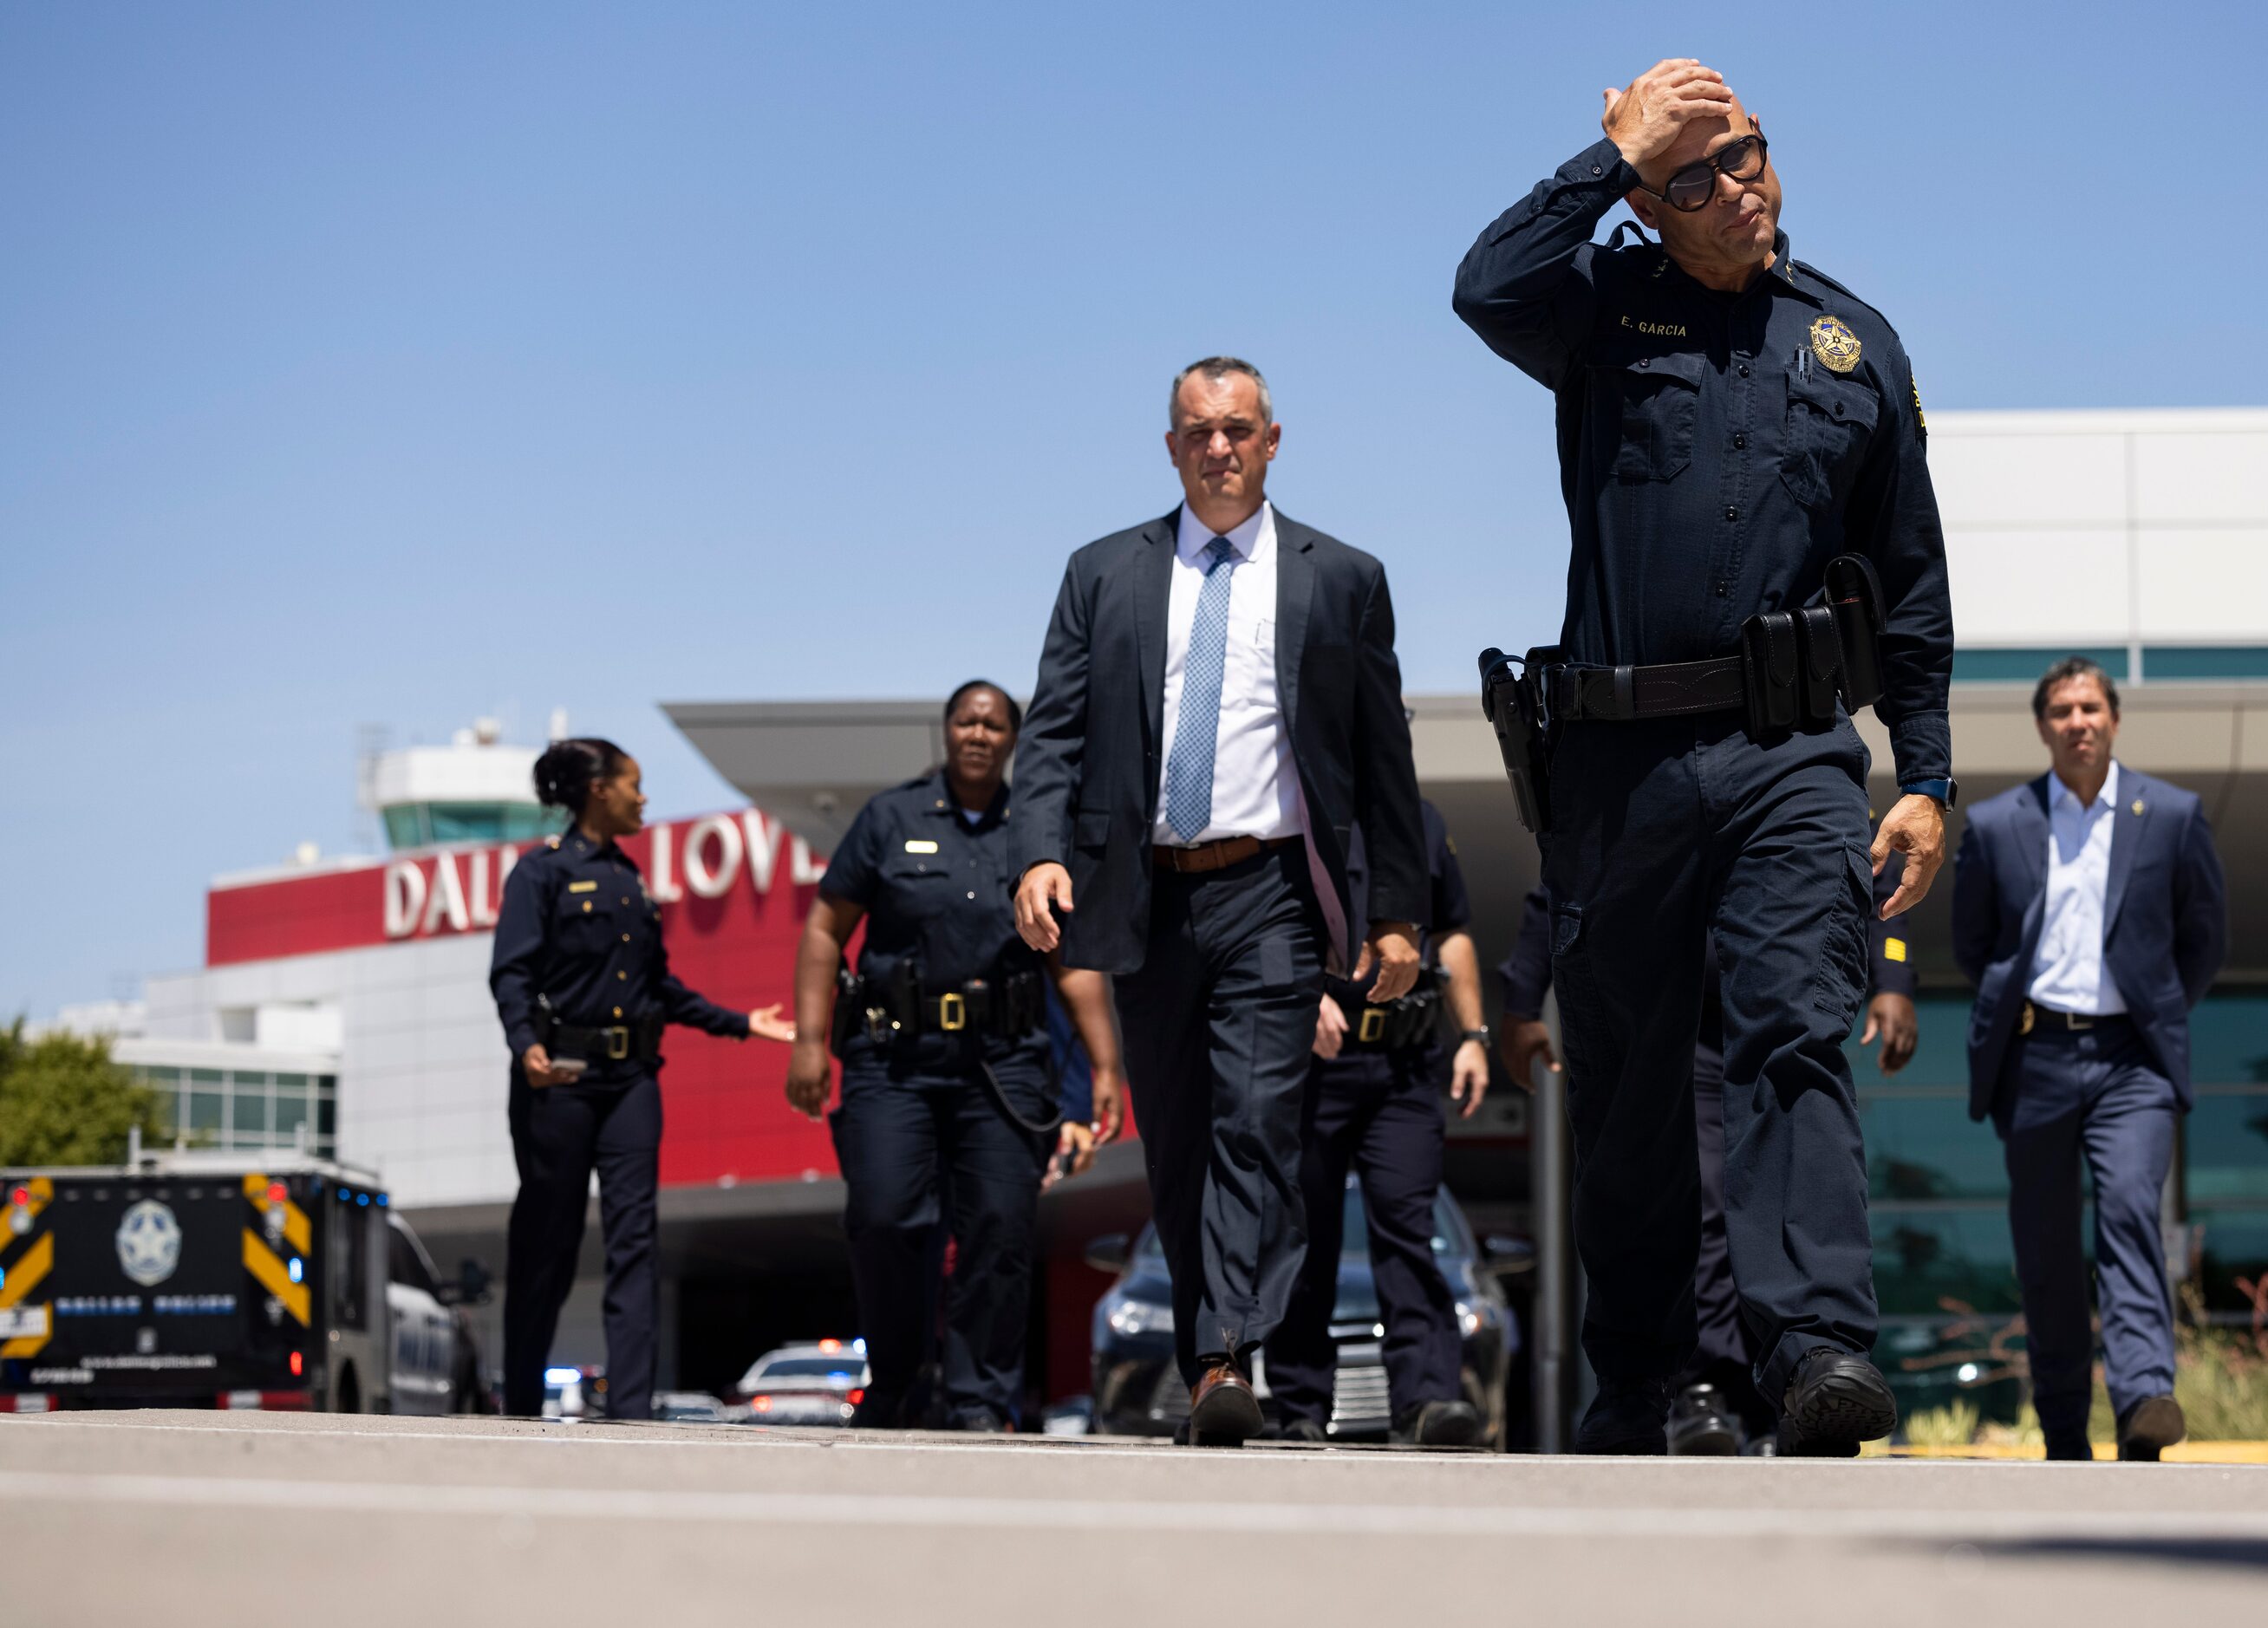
[1223,1410]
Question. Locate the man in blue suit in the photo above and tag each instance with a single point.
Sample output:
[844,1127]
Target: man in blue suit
[2088,910]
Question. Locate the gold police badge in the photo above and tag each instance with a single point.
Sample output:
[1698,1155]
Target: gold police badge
[1834,345]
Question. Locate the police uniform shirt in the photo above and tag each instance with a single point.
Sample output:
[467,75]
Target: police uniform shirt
[1716,450]
[1448,907]
[934,885]
[577,925]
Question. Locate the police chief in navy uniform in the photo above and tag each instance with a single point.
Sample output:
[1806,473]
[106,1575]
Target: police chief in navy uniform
[1729,420]
[2089,907]
[1217,706]
[584,987]
[1719,1409]
[1374,1105]
[948,1107]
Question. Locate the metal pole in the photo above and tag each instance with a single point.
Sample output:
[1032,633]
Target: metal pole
[1547,1156]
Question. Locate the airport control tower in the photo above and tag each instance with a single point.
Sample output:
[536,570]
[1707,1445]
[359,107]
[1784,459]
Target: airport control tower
[476,789]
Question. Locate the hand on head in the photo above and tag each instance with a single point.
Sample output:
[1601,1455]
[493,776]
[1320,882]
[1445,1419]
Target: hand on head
[1649,117]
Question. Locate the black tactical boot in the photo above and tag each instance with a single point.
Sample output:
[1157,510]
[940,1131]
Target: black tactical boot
[1834,1401]
[1626,1417]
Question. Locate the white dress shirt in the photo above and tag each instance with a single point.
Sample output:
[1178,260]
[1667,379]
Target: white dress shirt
[1256,784]
[2067,972]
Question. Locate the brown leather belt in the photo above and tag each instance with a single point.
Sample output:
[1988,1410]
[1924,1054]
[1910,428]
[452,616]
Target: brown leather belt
[1216,856]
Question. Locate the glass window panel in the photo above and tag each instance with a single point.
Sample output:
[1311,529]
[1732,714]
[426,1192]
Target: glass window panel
[159,1079]
[295,1082]
[2225,1147]
[1930,1263]
[2228,1039]
[326,1083]
[1941,1052]
[1932,1363]
[2024,666]
[2178,661]
[326,1112]
[206,1077]
[290,1112]
[1924,1147]
[204,1110]
[248,1110]
[2231,1244]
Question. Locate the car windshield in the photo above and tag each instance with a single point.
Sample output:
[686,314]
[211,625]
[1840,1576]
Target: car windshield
[1450,1234]
[804,1368]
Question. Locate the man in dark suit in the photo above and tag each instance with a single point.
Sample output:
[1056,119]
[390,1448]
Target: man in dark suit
[2089,909]
[1217,705]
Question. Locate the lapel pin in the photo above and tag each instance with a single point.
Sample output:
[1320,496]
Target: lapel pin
[2138,805]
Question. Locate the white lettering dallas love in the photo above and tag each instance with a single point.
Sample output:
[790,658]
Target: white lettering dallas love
[452,893]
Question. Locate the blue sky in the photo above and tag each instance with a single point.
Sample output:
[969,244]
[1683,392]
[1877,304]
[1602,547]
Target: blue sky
[397,364]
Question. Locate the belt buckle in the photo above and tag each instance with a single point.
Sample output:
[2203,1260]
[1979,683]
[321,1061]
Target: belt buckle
[952,1013]
[618,1042]
[2077,1020]
[1373,1026]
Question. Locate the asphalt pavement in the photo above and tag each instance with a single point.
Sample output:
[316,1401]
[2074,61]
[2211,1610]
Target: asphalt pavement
[191,1518]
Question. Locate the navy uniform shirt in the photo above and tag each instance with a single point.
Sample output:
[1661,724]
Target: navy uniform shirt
[1447,906]
[934,885]
[1717,450]
[577,925]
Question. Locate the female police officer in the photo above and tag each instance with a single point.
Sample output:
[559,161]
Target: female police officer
[947,1095]
[583,989]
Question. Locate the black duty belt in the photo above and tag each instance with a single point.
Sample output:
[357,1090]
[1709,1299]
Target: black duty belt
[1670,689]
[1408,1020]
[899,1008]
[622,1043]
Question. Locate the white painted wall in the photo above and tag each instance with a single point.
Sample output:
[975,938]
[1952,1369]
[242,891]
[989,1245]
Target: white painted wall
[2091,528]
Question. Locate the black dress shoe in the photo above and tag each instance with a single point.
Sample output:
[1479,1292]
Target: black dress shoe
[1699,1426]
[2064,1445]
[1626,1417]
[1440,1424]
[1835,1401]
[2151,1424]
[1307,1431]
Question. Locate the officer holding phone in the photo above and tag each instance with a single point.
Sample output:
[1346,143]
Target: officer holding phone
[584,987]
[949,1102]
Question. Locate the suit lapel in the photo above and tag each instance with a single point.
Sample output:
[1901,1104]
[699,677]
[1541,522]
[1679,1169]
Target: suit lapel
[2031,840]
[1153,586]
[1295,590]
[2127,819]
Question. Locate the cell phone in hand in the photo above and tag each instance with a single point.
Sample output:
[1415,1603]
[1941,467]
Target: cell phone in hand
[568,1069]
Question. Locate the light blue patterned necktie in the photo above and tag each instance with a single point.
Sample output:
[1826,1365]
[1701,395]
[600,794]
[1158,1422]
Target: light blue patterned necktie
[1197,728]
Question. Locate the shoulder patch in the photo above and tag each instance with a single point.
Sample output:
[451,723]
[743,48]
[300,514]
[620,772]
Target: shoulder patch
[1921,421]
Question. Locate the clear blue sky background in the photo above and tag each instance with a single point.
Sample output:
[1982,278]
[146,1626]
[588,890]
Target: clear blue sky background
[399,364]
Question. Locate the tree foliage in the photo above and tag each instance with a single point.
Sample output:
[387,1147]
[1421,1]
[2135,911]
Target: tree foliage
[64,1102]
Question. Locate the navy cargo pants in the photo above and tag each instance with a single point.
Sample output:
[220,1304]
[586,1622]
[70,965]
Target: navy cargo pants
[1379,1113]
[1661,830]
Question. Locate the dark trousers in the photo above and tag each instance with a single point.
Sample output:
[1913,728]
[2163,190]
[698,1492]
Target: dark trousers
[559,1135]
[2096,1095]
[921,1141]
[1662,830]
[1380,1113]
[1220,1024]
[1723,1355]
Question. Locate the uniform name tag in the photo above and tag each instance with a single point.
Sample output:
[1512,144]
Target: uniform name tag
[582,887]
[915,844]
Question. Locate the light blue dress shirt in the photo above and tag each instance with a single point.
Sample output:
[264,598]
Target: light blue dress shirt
[2067,972]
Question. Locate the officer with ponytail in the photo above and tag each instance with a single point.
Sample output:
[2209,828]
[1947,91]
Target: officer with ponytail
[949,1106]
[584,987]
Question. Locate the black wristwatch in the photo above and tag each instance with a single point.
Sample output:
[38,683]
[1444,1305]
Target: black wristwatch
[1945,790]
[1481,1034]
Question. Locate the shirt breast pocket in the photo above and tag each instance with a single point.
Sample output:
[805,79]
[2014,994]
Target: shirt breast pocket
[584,922]
[1660,398]
[915,887]
[1829,421]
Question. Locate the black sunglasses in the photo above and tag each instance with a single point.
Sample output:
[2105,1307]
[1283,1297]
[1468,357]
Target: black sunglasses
[1692,187]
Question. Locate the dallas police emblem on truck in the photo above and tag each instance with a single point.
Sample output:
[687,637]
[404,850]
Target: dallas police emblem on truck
[149,1243]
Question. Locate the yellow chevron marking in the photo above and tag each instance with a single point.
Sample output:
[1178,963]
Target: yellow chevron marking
[264,1263]
[298,1232]
[25,1275]
[30,1345]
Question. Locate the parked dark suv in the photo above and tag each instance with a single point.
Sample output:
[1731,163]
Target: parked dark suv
[1138,1390]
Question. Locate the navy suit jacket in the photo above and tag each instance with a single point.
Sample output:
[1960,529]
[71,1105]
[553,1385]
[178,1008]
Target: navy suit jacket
[2165,919]
[1087,760]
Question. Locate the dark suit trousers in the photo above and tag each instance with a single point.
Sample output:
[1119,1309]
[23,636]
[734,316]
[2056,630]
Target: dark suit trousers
[1380,1114]
[559,1135]
[1662,831]
[2096,1095]
[1220,1024]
